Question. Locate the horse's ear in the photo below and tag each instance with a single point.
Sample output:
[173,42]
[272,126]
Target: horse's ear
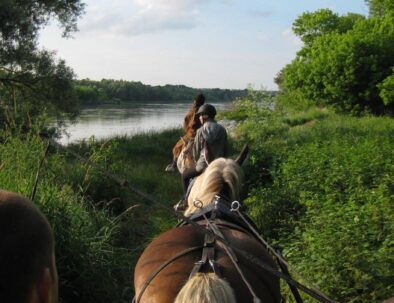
[242,155]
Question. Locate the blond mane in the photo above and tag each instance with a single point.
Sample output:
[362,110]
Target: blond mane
[206,288]
[221,172]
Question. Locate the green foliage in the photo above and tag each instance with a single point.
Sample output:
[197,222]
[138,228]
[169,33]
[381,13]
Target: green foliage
[343,62]
[32,81]
[94,92]
[379,8]
[321,186]
[387,90]
[309,26]
[91,266]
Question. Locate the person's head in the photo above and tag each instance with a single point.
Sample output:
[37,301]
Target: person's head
[206,112]
[27,260]
[199,100]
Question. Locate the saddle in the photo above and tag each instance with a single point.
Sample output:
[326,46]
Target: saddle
[185,159]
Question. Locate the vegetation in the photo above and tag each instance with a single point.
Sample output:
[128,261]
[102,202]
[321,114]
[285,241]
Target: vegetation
[109,91]
[32,81]
[346,61]
[92,268]
[100,227]
[321,186]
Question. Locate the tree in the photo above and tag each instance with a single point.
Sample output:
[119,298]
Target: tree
[379,8]
[33,81]
[343,63]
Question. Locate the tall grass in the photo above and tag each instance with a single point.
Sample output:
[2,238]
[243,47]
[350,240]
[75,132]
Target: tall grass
[321,186]
[92,268]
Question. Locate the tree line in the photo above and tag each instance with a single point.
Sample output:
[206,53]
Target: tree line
[91,92]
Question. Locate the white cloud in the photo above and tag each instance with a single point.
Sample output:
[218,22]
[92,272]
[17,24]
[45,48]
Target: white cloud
[148,16]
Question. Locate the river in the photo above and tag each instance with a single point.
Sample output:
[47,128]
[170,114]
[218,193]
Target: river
[117,120]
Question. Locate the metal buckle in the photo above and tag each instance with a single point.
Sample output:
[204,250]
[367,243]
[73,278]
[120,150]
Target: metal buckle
[235,205]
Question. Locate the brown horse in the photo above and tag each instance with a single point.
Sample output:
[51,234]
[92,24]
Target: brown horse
[163,271]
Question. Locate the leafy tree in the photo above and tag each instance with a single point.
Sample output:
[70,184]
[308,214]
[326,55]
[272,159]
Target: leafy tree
[379,8]
[33,81]
[343,63]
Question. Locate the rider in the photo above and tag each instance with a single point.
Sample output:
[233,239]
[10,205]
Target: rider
[210,143]
[191,124]
[27,258]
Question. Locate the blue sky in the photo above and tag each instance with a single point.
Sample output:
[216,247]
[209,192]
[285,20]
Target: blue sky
[198,43]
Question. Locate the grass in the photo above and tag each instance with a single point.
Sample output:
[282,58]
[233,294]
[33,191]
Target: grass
[320,186]
[92,268]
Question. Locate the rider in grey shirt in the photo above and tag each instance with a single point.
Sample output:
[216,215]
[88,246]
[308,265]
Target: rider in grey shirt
[210,143]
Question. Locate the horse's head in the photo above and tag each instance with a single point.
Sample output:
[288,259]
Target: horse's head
[222,177]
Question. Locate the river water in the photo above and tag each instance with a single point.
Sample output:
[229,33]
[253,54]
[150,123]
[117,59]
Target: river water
[108,121]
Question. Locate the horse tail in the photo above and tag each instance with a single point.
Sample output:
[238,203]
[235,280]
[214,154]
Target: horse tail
[206,288]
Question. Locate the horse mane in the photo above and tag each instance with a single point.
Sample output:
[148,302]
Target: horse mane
[222,176]
[206,288]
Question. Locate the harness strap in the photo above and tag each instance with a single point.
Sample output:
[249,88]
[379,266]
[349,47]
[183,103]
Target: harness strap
[234,260]
[162,266]
[208,256]
[285,270]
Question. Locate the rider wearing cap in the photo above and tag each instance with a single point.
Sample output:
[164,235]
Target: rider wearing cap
[210,143]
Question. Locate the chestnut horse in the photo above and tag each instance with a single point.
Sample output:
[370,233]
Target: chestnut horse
[163,272]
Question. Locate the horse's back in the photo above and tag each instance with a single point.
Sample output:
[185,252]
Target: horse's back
[166,285]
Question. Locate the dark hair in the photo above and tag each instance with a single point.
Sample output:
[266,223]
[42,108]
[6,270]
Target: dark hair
[199,100]
[26,247]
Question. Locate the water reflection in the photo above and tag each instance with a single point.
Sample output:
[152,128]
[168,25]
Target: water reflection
[105,122]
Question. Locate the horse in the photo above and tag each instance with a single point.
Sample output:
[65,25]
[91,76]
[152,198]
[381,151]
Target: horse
[188,264]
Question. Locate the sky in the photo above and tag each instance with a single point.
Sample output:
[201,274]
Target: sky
[198,43]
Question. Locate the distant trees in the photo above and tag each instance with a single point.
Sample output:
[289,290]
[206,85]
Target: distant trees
[347,61]
[96,92]
[33,81]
